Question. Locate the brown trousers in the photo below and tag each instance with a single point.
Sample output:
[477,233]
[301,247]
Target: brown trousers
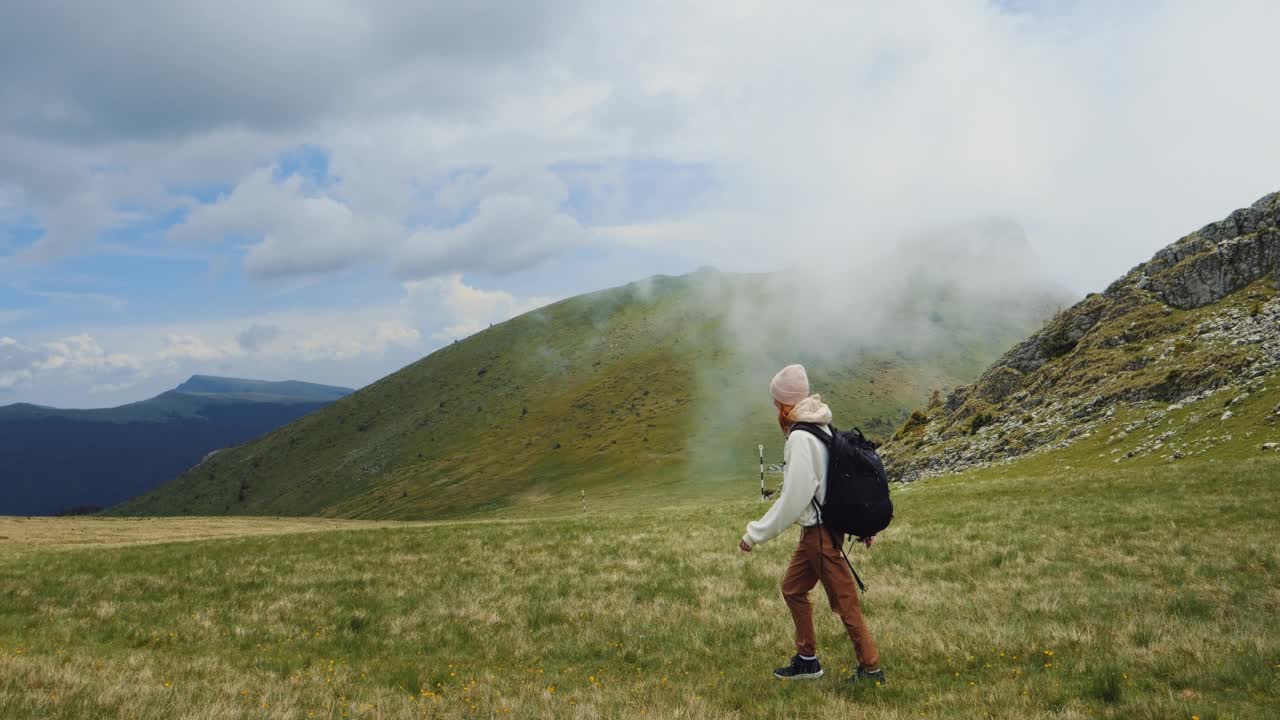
[818,558]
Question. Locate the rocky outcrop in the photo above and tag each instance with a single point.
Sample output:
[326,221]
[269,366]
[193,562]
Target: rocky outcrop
[999,382]
[1207,277]
[1197,270]
[1058,337]
[1216,260]
[1125,345]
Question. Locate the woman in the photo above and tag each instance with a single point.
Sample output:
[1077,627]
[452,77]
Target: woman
[817,558]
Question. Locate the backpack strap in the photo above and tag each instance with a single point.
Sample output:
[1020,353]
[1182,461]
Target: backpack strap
[815,430]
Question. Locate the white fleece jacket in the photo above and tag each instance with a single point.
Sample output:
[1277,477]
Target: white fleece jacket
[804,478]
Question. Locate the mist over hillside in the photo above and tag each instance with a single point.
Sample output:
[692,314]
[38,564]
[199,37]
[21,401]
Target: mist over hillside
[658,387]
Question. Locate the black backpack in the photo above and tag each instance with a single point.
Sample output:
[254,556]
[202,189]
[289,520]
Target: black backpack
[857,502]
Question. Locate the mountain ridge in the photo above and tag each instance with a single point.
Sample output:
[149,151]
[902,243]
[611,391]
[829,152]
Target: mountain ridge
[1201,317]
[58,460]
[216,385]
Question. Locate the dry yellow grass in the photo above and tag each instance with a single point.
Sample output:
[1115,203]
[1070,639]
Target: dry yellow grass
[22,533]
[18,534]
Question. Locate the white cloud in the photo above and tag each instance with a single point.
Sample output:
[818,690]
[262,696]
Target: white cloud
[17,362]
[152,68]
[131,362]
[459,310]
[343,347]
[74,223]
[513,221]
[276,339]
[77,359]
[181,348]
[1106,129]
[509,232]
[81,353]
[256,336]
[857,124]
[341,343]
[295,230]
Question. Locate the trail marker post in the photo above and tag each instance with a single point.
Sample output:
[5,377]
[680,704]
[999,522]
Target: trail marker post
[760,448]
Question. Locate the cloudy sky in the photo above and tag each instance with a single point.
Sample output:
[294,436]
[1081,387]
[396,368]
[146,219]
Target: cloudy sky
[327,190]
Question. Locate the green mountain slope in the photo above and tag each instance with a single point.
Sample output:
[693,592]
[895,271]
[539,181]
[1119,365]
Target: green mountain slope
[648,390]
[54,460]
[1179,358]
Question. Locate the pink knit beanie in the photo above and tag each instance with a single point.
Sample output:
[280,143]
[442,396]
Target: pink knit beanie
[790,385]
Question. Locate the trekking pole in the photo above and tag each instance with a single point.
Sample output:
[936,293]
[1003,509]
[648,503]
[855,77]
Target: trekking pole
[760,448]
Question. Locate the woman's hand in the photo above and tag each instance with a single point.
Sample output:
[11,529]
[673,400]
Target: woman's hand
[743,546]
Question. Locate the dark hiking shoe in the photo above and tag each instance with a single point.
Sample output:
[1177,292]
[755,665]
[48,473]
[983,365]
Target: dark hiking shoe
[800,669]
[864,678]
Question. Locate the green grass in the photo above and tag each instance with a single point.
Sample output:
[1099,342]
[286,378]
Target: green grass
[1117,592]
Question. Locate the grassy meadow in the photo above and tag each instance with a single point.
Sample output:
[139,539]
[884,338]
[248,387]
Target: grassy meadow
[1145,592]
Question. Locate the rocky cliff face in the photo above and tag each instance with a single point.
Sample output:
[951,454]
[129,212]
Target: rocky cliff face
[1201,317]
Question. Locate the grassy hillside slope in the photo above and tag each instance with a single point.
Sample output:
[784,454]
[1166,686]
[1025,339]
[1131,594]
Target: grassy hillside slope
[1135,593]
[656,387]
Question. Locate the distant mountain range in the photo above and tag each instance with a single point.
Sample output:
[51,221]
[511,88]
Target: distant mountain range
[57,461]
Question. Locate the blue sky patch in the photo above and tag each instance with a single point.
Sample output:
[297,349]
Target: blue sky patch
[310,162]
[204,193]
